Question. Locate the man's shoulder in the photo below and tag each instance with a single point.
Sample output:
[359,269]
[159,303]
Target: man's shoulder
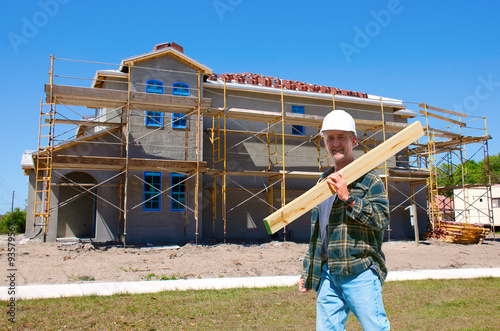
[370,178]
[327,172]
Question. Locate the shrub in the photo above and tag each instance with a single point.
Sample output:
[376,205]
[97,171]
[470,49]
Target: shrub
[14,221]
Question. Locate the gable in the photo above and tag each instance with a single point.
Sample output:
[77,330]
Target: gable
[171,52]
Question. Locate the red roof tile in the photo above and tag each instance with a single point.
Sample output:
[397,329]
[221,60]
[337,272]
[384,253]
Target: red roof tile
[269,81]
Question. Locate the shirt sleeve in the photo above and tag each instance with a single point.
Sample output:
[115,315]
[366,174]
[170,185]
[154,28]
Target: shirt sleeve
[306,263]
[371,206]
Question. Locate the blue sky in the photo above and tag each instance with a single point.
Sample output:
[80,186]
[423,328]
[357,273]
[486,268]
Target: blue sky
[445,53]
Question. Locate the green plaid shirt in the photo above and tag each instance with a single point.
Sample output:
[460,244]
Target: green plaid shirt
[355,235]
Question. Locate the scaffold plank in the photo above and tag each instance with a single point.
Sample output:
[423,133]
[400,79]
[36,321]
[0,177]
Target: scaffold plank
[118,163]
[299,119]
[427,113]
[446,111]
[108,98]
[85,123]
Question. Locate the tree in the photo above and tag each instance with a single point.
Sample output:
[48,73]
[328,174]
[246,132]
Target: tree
[445,174]
[494,161]
[13,222]
[473,172]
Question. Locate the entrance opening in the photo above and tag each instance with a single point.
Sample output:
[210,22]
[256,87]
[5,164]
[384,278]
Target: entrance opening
[76,218]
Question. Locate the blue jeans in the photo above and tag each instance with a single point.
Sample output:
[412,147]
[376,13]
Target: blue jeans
[338,295]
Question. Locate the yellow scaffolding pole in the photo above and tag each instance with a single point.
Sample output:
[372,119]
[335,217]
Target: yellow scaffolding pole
[432,181]
[43,169]
[127,156]
[283,186]
[272,143]
[224,170]
[198,146]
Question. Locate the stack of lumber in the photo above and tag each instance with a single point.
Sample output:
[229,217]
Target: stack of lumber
[462,233]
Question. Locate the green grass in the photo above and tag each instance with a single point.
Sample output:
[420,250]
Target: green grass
[411,305]
[152,276]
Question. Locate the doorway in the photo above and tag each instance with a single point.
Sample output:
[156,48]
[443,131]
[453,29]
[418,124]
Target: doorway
[76,215]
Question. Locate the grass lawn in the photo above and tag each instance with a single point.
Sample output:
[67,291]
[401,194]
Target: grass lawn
[472,304]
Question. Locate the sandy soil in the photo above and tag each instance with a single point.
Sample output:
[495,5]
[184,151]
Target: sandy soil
[57,263]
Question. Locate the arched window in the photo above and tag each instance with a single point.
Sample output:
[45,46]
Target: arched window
[154,86]
[180,88]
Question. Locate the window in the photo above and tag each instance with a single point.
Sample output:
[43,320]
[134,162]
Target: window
[180,88]
[495,202]
[154,118]
[154,86]
[298,129]
[152,189]
[178,192]
[179,120]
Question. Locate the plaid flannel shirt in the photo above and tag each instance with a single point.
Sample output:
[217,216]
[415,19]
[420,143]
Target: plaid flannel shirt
[355,235]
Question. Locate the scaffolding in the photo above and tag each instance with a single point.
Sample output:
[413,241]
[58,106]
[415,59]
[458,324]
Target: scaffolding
[420,163]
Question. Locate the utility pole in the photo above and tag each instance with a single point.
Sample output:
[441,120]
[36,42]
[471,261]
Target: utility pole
[12,207]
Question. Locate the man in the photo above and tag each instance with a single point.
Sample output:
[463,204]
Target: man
[344,262]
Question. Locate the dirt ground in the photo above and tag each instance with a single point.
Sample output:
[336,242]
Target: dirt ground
[58,263]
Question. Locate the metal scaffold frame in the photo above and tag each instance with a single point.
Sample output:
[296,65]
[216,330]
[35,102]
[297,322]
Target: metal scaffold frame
[420,158]
[451,156]
[43,160]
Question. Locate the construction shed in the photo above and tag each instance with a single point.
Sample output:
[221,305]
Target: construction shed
[159,148]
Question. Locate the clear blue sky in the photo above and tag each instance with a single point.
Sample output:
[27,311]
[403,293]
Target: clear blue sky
[445,53]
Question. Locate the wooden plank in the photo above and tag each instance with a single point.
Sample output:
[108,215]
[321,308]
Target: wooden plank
[83,122]
[322,191]
[441,117]
[108,98]
[392,127]
[118,163]
[446,111]
[451,144]
[298,119]
[289,174]
[442,133]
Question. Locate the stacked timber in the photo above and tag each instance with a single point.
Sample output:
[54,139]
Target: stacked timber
[462,233]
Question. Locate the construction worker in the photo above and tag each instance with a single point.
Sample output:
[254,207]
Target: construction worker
[344,262]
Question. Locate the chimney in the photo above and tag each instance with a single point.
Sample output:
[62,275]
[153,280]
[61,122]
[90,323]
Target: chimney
[175,46]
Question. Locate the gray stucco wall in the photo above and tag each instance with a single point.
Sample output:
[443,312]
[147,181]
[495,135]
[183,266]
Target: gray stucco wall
[401,227]
[165,69]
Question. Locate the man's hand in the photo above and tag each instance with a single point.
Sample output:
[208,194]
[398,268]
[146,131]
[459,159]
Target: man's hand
[338,181]
[302,289]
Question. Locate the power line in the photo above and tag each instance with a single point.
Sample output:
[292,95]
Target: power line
[5,189]
[5,201]
[5,183]
[5,186]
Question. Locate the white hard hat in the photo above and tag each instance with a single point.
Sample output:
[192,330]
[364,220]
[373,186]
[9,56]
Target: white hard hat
[339,120]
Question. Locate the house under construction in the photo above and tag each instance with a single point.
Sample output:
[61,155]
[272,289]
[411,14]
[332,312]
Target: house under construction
[159,148]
